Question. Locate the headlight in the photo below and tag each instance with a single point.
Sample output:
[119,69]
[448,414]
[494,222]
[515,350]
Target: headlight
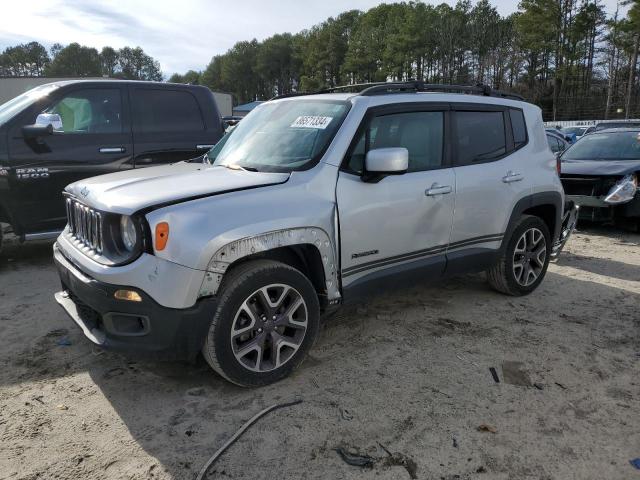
[128,233]
[623,191]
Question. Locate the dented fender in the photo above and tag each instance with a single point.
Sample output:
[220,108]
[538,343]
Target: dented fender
[236,250]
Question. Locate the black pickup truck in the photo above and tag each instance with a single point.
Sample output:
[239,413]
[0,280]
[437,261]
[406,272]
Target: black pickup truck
[61,132]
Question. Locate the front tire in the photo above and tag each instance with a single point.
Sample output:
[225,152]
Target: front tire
[266,321]
[523,263]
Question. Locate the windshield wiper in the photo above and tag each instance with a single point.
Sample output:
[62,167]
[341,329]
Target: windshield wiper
[235,166]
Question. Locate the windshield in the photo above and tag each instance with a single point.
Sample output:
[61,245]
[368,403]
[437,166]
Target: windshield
[19,103]
[606,146]
[281,136]
[578,131]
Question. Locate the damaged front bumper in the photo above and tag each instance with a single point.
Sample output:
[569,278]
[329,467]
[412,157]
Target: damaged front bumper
[569,222]
[595,209]
[141,327]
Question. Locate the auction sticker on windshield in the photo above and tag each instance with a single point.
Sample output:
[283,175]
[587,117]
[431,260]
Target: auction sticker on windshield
[311,121]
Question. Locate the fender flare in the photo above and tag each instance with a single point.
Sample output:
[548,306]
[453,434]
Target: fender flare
[244,247]
[535,200]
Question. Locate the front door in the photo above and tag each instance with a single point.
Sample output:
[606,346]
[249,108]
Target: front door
[92,136]
[400,224]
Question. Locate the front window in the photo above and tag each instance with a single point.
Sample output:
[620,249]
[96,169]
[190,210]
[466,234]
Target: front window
[94,110]
[606,146]
[281,136]
[14,106]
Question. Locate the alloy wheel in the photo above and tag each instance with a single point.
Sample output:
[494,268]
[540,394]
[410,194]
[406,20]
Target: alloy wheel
[269,327]
[529,257]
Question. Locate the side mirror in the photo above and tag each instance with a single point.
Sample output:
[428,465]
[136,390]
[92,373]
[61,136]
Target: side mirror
[385,161]
[36,131]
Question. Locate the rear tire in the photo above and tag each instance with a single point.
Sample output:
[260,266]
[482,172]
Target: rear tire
[266,321]
[524,261]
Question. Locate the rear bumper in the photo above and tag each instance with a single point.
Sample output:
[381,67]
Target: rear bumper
[146,328]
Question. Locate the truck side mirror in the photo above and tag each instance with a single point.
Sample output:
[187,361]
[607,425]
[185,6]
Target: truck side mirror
[381,162]
[36,131]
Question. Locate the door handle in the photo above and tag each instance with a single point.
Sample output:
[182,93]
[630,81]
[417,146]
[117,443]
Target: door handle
[204,147]
[436,189]
[512,177]
[111,150]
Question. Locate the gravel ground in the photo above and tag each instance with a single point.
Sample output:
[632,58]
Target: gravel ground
[407,372]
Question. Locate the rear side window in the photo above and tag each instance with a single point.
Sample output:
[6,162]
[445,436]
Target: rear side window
[421,133]
[480,136]
[518,127]
[166,111]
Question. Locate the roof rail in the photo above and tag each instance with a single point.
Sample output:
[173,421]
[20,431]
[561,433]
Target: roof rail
[417,86]
[384,88]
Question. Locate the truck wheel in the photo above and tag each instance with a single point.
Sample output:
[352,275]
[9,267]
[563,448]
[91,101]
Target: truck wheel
[525,259]
[266,320]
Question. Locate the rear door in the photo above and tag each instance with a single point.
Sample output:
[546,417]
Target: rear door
[92,137]
[401,224]
[490,160]
[168,126]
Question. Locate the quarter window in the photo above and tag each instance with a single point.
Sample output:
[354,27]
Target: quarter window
[518,127]
[421,133]
[480,137]
[166,111]
[96,110]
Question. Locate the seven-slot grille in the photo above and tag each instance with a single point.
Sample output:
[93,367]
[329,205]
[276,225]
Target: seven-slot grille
[85,224]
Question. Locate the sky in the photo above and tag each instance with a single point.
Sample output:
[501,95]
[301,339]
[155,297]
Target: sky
[181,34]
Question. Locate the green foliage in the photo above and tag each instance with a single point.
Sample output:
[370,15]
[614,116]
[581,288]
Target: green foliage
[76,60]
[27,59]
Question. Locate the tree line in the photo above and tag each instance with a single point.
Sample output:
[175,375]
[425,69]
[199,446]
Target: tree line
[568,56]
[75,60]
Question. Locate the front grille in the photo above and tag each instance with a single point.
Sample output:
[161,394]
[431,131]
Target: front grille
[85,225]
[591,186]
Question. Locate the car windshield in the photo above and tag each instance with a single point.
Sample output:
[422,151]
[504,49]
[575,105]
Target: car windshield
[281,136]
[19,103]
[576,130]
[606,146]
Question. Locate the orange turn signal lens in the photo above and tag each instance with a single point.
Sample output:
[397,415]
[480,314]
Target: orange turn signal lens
[162,235]
[128,295]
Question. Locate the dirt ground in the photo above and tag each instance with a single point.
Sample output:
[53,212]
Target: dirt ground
[408,372]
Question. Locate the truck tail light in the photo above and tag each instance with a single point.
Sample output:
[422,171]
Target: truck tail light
[558,165]
[162,235]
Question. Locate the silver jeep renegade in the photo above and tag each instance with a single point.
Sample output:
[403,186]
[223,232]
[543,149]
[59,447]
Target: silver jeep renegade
[312,201]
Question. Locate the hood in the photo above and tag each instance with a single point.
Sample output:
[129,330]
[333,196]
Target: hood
[600,167]
[132,190]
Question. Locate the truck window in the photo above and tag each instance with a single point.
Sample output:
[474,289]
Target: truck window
[480,137]
[421,133]
[160,110]
[92,110]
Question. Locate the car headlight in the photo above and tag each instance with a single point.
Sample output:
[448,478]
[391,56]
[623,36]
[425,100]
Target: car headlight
[623,191]
[128,233]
